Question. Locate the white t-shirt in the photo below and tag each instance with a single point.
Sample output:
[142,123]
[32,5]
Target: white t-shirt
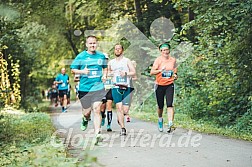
[117,66]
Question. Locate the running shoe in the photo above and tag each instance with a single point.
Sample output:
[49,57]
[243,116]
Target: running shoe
[160,125]
[84,124]
[170,126]
[123,132]
[98,138]
[64,110]
[109,128]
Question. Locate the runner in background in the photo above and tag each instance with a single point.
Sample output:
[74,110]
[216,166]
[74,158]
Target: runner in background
[46,94]
[54,95]
[77,85]
[43,94]
[76,90]
[69,94]
[63,80]
[107,101]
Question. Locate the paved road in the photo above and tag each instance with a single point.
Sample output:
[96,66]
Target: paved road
[145,146]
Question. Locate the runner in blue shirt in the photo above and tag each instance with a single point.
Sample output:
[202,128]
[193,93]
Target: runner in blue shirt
[91,65]
[63,80]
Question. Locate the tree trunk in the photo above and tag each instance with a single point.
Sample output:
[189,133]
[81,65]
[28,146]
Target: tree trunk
[69,39]
[190,14]
[138,10]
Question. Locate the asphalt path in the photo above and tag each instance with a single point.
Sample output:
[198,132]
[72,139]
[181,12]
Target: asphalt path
[145,146]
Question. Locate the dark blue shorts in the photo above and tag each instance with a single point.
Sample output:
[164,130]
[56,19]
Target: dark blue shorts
[62,92]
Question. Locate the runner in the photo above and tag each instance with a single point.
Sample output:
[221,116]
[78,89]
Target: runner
[91,66]
[107,102]
[122,70]
[62,80]
[76,90]
[165,69]
[76,87]
[69,94]
[54,95]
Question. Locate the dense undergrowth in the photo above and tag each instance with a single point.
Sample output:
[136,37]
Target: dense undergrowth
[25,141]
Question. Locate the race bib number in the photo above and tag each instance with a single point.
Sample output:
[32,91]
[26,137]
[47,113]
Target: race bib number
[167,74]
[94,73]
[121,80]
[108,84]
[63,85]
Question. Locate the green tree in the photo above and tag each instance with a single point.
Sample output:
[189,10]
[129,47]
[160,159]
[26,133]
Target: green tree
[217,84]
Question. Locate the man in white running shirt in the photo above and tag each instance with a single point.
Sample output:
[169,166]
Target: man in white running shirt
[122,69]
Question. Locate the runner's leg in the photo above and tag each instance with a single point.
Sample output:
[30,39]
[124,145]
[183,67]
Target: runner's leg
[65,102]
[97,116]
[109,114]
[160,93]
[169,101]
[103,109]
[120,114]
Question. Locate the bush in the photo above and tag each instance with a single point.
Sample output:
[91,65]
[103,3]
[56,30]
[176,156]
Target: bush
[42,155]
[28,128]
[25,141]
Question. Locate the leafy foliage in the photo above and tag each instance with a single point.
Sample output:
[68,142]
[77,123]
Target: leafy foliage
[25,141]
[10,91]
[214,83]
[217,84]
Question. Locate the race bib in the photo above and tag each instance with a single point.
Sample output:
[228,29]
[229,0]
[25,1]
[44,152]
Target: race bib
[121,81]
[63,85]
[94,73]
[167,74]
[108,84]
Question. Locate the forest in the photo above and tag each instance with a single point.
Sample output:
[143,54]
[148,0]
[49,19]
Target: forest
[38,37]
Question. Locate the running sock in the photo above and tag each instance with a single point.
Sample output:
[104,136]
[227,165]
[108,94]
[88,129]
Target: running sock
[109,117]
[170,123]
[160,119]
[103,114]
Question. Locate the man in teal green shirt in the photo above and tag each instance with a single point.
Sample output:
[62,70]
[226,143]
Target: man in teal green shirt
[91,65]
[62,80]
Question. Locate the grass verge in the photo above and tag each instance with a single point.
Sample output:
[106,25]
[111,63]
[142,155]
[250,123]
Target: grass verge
[25,141]
[184,121]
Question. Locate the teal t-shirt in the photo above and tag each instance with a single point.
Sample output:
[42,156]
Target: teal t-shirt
[64,78]
[95,63]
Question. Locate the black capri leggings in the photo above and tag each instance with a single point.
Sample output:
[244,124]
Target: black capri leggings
[167,91]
